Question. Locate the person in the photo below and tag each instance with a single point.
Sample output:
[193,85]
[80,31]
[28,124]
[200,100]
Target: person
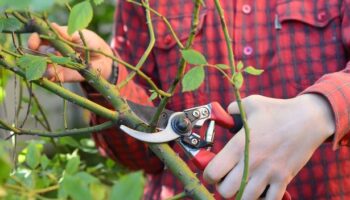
[298,110]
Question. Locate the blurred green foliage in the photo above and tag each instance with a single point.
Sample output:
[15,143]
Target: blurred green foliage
[75,170]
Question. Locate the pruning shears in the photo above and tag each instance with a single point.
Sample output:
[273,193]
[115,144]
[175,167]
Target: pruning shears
[179,126]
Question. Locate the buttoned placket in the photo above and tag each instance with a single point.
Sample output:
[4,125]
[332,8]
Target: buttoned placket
[242,47]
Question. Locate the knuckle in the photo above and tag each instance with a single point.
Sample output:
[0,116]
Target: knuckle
[224,192]
[248,194]
[211,176]
[252,102]
[280,174]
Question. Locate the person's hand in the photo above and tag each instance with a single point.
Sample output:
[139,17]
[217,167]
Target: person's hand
[284,135]
[97,61]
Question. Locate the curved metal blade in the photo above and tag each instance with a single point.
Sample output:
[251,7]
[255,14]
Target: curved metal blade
[146,113]
[159,137]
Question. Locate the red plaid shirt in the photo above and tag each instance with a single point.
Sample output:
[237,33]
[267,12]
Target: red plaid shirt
[303,46]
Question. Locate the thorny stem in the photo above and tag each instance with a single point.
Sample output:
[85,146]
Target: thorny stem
[65,114]
[239,102]
[19,106]
[120,61]
[66,94]
[166,21]
[33,192]
[178,167]
[178,196]
[55,134]
[45,190]
[147,51]
[182,64]
[40,107]
[81,35]
[87,52]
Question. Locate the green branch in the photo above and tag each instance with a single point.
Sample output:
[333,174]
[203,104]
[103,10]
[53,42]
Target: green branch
[55,134]
[147,51]
[124,116]
[239,101]
[65,94]
[182,65]
[166,21]
[120,61]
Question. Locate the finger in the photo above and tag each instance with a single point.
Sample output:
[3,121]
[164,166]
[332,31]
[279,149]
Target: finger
[34,41]
[62,31]
[225,160]
[46,49]
[53,73]
[276,191]
[61,74]
[256,185]
[69,75]
[230,185]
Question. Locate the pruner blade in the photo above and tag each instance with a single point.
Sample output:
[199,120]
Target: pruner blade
[158,137]
[164,135]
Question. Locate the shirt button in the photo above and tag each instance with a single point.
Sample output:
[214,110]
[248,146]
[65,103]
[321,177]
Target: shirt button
[246,9]
[248,50]
[322,16]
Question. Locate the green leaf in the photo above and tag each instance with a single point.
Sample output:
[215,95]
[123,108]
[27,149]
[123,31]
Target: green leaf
[238,80]
[80,17]
[15,4]
[98,2]
[88,178]
[75,187]
[153,96]
[69,141]
[63,2]
[41,5]
[73,165]
[35,66]
[240,65]
[253,71]
[5,162]
[33,156]
[9,24]
[131,182]
[193,57]
[100,191]
[193,79]
[60,60]
[2,94]
[26,177]
[44,162]
[222,66]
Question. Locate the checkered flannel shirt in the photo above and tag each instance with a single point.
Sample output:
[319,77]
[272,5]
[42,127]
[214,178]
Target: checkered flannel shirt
[303,46]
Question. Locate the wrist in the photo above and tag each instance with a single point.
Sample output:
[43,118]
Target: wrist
[319,112]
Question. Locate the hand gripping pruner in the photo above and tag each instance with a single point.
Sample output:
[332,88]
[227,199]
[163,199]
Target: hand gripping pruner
[179,126]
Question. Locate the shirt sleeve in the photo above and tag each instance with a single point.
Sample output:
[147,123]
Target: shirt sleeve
[335,87]
[113,142]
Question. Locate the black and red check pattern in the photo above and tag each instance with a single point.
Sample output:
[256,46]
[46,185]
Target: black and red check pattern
[303,46]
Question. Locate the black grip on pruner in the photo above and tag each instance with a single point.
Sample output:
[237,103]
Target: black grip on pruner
[238,123]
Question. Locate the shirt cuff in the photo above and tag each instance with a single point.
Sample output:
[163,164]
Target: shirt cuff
[335,88]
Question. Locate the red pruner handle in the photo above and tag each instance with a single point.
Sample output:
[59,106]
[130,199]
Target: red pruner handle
[286,196]
[202,159]
[220,116]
